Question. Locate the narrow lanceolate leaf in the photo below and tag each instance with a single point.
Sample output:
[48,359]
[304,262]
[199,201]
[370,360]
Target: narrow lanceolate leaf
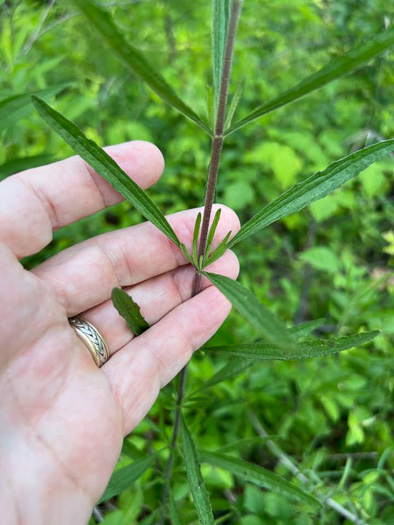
[234,104]
[134,59]
[197,486]
[241,443]
[186,253]
[304,350]
[314,188]
[334,70]
[237,367]
[304,329]
[195,238]
[220,18]
[259,475]
[220,249]
[129,310]
[255,312]
[233,369]
[105,166]
[122,478]
[210,102]
[16,107]
[212,232]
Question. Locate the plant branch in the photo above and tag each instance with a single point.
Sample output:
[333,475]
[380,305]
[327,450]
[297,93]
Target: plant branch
[293,468]
[97,514]
[216,150]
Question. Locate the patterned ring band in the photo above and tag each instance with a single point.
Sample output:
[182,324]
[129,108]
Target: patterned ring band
[92,339]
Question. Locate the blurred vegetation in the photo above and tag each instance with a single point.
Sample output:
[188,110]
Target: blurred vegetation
[332,416]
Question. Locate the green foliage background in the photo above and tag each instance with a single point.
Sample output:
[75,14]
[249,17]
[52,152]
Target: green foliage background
[331,415]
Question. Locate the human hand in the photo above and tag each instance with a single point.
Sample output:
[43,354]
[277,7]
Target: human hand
[63,419]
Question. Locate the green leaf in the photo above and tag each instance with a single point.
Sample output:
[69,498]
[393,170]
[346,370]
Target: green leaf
[304,350]
[212,232]
[239,194]
[210,102]
[325,208]
[174,513]
[304,329]
[186,253]
[135,60]
[241,443]
[255,312]
[105,166]
[14,108]
[314,188]
[197,486]
[220,249]
[129,310]
[337,68]
[279,158]
[220,19]
[195,238]
[234,104]
[238,366]
[259,475]
[122,478]
[232,369]
[322,258]
[373,179]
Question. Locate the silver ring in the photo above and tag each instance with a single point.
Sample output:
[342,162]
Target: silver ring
[92,339]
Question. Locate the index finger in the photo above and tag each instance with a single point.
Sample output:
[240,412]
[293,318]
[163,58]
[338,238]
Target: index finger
[36,202]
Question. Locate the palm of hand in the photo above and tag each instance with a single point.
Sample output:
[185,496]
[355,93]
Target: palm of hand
[63,419]
[59,407]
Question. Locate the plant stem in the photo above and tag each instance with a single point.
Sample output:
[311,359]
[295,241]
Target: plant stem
[216,150]
[175,432]
[217,140]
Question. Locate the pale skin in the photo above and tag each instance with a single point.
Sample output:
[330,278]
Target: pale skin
[62,419]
